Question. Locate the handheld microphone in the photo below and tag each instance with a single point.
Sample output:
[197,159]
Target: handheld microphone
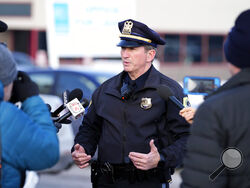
[75,108]
[85,103]
[66,121]
[166,93]
[67,96]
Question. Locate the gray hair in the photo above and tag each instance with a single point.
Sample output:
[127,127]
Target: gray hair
[149,47]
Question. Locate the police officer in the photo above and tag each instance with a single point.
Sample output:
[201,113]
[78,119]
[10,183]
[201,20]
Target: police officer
[140,137]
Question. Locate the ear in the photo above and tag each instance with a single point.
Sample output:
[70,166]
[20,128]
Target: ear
[150,55]
[233,69]
[7,91]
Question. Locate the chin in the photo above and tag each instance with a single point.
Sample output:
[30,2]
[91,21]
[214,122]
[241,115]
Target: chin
[126,69]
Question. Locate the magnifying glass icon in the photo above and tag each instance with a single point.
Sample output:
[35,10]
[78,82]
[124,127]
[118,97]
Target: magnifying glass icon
[231,159]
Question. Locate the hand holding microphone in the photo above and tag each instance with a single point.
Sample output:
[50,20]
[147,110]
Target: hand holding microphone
[67,96]
[186,112]
[75,108]
[166,93]
[71,101]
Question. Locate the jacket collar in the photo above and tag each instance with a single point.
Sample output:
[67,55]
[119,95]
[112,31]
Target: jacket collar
[152,81]
[242,78]
[139,82]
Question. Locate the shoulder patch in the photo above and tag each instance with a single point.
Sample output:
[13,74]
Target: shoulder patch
[186,102]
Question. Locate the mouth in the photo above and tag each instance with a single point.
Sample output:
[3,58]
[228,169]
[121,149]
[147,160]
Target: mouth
[126,63]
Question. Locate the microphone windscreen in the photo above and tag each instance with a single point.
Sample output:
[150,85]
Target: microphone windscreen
[76,93]
[3,26]
[164,92]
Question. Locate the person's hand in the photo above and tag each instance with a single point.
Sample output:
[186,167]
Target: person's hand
[23,88]
[58,126]
[188,113]
[146,161]
[79,156]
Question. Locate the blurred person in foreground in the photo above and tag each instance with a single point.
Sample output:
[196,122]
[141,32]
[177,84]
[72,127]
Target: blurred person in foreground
[223,122]
[28,136]
[141,138]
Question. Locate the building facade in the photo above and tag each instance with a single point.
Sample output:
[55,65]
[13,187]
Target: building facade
[194,31]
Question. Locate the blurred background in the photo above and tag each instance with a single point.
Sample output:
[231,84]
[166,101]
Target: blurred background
[64,44]
[80,32]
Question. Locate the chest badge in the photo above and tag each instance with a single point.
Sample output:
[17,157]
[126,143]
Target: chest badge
[146,103]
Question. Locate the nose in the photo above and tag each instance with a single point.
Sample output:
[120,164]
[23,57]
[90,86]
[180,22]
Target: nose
[124,52]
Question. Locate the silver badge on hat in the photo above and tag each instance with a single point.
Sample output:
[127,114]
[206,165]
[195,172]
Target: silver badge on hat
[127,28]
[146,103]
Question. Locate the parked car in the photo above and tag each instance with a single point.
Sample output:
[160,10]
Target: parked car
[23,59]
[56,81]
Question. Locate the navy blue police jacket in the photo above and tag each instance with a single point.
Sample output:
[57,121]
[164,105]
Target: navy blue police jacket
[120,126]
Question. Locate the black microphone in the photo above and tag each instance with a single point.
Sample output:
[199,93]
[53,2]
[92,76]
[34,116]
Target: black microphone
[166,93]
[3,26]
[66,121]
[68,96]
[84,103]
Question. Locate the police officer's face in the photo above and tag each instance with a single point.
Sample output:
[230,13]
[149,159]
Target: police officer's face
[136,60]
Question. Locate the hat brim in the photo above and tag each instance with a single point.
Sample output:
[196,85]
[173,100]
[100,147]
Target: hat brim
[128,43]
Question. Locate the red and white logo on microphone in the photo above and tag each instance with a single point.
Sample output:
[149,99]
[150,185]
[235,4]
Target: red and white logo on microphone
[75,107]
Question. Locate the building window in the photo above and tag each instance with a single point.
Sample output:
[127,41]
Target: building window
[172,48]
[215,50]
[42,43]
[22,41]
[193,49]
[15,9]
[193,53]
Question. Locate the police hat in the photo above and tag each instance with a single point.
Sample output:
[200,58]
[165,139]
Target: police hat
[135,34]
[3,26]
